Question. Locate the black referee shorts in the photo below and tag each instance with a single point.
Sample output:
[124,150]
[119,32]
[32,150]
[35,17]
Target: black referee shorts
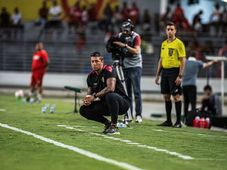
[168,85]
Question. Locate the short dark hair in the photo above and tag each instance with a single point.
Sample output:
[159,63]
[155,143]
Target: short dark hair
[95,54]
[207,87]
[170,23]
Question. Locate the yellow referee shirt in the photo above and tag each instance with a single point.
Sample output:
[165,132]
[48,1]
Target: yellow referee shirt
[171,52]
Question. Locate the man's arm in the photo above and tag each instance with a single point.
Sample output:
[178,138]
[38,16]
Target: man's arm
[45,58]
[182,53]
[88,99]
[181,71]
[158,72]
[111,83]
[137,46]
[133,50]
[89,91]
[208,64]
[182,65]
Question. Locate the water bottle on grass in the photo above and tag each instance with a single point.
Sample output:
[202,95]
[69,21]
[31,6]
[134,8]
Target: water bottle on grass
[52,108]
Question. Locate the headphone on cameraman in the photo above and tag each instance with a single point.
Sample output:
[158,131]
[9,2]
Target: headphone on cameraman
[127,25]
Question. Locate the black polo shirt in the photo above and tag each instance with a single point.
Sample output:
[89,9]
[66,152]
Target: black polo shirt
[97,81]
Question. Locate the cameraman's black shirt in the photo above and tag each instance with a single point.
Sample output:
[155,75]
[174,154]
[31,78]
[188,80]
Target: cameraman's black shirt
[97,81]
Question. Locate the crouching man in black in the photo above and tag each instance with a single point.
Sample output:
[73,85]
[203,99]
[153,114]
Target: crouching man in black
[105,95]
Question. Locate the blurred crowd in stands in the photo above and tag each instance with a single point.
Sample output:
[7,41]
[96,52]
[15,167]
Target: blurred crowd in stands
[80,14]
[217,21]
[10,24]
[82,17]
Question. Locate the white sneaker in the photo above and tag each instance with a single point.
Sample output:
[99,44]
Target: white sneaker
[32,100]
[139,119]
[126,120]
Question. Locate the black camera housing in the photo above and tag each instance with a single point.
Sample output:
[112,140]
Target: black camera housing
[118,53]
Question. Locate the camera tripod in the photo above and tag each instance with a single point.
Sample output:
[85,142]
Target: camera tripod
[118,65]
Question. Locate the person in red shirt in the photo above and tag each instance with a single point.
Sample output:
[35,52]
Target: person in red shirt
[178,14]
[40,62]
[125,11]
[134,13]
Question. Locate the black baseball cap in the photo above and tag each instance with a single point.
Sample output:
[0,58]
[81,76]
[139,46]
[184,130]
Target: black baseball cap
[127,25]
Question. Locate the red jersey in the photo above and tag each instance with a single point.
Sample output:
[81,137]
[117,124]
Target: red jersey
[39,60]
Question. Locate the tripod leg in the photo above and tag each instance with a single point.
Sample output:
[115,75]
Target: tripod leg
[122,79]
[120,75]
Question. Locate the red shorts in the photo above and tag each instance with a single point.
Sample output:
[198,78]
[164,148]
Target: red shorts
[37,78]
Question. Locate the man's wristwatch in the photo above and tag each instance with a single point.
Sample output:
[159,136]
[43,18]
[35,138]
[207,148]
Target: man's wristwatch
[126,45]
[180,75]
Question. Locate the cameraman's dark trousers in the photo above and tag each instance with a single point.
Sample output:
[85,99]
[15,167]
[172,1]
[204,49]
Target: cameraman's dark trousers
[112,104]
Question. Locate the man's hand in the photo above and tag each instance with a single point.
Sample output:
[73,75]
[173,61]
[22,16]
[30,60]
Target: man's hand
[178,80]
[157,80]
[88,100]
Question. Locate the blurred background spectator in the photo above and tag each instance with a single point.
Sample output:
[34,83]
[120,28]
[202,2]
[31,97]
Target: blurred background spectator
[16,18]
[17,23]
[43,14]
[215,18]
[197,21]
[55,12]
[76,27]
[134,14]
[4,18]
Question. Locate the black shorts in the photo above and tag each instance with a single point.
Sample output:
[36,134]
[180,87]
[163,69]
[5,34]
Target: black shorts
[168,85]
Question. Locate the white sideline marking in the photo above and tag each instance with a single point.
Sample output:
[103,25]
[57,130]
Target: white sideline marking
[158,130]
[2,110]
[199,134]
[185,157]
[210,159]
[75,149]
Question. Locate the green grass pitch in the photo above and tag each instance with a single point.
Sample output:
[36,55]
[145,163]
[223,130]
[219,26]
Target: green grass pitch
[145,146]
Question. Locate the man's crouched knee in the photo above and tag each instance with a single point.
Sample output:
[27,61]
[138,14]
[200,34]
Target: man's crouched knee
[110,96]
[83,110]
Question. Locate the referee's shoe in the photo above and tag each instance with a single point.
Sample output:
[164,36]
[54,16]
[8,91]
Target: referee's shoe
[166,123]
[177,125]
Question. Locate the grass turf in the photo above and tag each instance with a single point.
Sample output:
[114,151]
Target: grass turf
[19,151]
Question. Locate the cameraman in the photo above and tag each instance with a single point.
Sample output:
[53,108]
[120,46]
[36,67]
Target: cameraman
[132,65]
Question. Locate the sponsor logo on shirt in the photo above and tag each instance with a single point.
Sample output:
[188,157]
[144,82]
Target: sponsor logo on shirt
[171,51]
